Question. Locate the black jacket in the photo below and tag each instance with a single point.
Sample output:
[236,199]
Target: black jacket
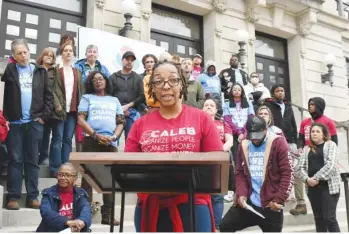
[287,123]
[130,90]
[42,97]
[225,74]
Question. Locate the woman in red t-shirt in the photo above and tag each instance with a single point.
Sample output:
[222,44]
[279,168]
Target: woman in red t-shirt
[211,108]
[175,127]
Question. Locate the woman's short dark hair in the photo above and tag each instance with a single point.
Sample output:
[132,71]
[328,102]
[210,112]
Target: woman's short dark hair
[244,102]
[89,89]
[325,131]
[184,91]
[149,56]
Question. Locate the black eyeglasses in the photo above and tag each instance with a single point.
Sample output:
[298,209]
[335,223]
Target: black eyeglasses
[95,80]
[65,175]
[161,83]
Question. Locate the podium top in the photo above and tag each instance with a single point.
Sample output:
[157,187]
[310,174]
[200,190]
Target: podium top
[149,158]
[154,172]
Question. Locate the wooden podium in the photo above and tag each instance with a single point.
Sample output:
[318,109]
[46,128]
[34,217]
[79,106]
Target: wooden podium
[176,173]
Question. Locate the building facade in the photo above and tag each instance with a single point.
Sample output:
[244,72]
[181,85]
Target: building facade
[287,40]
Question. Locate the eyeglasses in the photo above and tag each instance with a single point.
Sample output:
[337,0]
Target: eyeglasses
[254,76]
[65,175]
[161,83]
[95,80]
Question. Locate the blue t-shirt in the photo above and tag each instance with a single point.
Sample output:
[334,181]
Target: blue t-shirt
[256,164]
[101,113]
[25,76]
[211,84]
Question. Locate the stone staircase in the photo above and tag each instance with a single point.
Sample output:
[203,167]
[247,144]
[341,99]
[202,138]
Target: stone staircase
[27,220]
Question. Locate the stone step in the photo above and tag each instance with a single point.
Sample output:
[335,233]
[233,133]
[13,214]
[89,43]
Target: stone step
[44,173]
[129,227]
[130,198]
[20,218]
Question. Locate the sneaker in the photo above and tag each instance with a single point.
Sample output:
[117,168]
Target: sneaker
[34,204]
[299,209]
[12,205]
[229,197]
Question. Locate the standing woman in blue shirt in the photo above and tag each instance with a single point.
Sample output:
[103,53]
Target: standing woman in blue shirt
[102,119]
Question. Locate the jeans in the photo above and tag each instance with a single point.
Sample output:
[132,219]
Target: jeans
[324,207]
[45,143]
[61,144]
[23,151]
[3,157]
[218,207]
[91,145]
[128,125]
[202,219]
[238,218]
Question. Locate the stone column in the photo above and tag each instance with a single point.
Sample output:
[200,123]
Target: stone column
[145,20]
[213,33]
[95,9]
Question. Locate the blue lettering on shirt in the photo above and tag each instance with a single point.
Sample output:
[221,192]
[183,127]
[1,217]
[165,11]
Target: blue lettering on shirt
[25,76]
[101,113]
[256,165]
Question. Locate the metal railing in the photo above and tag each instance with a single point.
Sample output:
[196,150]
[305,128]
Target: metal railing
[342,5]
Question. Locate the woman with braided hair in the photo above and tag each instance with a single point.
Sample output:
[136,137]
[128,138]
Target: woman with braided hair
[175,127]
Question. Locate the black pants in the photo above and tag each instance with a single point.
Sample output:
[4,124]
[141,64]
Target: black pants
[324,207]
[91,145]
[238,218]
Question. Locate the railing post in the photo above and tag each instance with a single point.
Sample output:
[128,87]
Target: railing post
[345,177]
[340,7]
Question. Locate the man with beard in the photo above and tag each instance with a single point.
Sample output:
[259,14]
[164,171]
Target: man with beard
[128,88]
[196,93]
[264,178]
[197,69]
[316,107]
[232,75]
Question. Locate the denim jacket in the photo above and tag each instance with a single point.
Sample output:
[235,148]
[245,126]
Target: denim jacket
[49,210]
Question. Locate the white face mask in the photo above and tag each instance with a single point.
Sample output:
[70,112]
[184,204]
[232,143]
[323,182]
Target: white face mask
[254,81]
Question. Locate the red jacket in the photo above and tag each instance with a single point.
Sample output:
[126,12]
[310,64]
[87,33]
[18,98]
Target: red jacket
[3,128]
[278,172]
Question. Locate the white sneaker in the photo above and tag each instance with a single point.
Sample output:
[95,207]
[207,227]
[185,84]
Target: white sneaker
[229,197]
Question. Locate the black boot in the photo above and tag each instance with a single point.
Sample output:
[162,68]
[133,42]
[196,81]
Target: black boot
[106,216]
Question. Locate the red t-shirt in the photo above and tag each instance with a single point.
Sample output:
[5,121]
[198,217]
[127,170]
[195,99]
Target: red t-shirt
[196,72]
[306,125]
[66,208]
[223,128]
[192,131]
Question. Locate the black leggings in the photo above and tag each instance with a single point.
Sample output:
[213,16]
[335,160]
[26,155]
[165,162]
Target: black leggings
[324,207]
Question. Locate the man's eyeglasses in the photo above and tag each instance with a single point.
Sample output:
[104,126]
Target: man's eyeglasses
[161,83]
[65,175]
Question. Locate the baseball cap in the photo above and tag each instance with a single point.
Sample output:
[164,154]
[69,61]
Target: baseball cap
[128,54]
[255,127]
[198,55]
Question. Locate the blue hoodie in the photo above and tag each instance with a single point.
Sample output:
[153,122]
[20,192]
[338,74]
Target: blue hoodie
[81,66]
[210,83]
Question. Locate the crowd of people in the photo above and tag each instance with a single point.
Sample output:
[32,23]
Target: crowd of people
[228,111]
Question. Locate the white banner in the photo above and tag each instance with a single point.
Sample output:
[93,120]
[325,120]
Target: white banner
[111,47]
